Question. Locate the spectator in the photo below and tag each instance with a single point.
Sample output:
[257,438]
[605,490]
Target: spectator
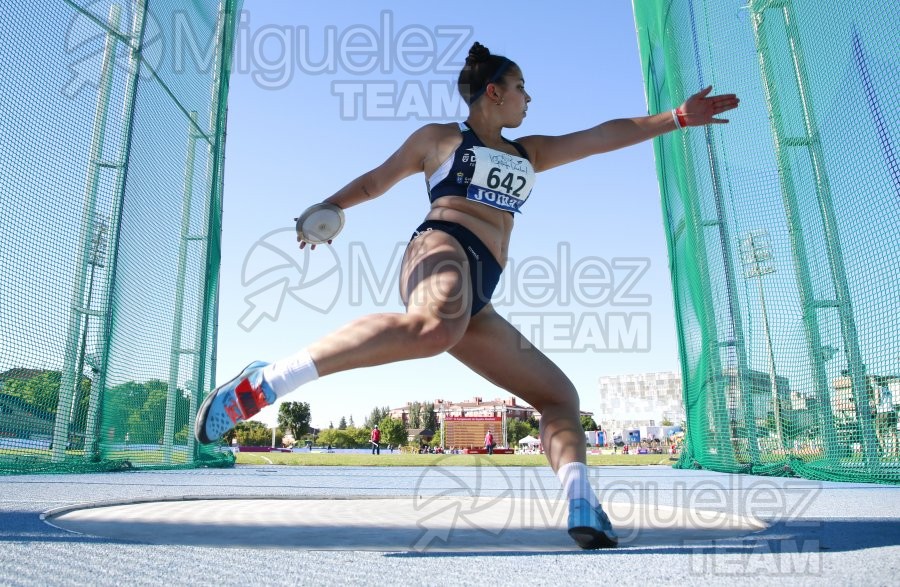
[489,442]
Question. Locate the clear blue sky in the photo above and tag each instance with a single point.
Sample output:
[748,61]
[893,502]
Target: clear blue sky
[294,139]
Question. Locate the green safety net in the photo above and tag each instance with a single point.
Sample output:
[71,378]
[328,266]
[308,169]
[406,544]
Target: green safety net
[112,125]
[783,229]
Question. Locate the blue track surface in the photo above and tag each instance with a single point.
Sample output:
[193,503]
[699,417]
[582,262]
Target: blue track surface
[835,532]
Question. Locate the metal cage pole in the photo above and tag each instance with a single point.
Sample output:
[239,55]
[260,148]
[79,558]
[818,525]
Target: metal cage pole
[135,41]
[842,302]
[216,145]
[80,313]
[177,347]
[177,343]
[720,223]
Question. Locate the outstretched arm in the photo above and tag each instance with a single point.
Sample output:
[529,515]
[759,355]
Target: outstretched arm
[407,160]
[551,151]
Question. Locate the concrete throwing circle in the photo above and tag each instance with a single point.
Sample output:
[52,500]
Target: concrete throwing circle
[457,524]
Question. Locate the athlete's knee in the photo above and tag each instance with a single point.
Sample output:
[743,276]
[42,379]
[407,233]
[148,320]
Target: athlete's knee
[563,399]
[433,336]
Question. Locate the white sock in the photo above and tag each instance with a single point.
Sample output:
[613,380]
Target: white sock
[575,482]
[286,375]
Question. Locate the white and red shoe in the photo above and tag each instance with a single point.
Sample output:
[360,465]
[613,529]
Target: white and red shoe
[236,401]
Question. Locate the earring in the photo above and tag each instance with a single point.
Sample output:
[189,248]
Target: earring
[500,103]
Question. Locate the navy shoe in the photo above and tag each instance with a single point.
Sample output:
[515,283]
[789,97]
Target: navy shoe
[590,527]
[236,401]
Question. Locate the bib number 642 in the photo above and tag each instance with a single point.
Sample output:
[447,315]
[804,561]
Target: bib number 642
[511,182]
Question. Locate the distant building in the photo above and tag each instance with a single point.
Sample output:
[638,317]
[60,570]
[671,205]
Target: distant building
[461,433]
[418,435]
[761,394]
[639,401]
[477,406]
[878,388]
[474,407]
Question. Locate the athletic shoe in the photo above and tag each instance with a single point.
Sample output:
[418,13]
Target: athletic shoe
[590,527]
[234,402]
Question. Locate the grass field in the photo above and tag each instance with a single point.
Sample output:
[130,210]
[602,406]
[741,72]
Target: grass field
[415,460]
[139,458]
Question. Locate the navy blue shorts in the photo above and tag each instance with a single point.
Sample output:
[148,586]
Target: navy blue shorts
[484,270]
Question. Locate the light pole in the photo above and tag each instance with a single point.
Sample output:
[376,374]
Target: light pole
[442,425]
[757,258]
[503,430]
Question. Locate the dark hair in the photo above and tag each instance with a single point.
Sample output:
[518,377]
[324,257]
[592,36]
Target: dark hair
[481,68]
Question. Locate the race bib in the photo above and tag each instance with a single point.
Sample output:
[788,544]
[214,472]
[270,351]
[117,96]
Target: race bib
[500,180]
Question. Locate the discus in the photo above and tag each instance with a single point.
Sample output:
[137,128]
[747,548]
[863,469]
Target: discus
[320,223]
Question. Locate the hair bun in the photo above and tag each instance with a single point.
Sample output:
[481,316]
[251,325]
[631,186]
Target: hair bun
[478,54]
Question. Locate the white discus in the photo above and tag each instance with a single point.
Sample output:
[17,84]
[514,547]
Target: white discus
[320,223]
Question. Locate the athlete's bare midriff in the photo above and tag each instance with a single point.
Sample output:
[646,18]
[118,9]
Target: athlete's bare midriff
[492,226]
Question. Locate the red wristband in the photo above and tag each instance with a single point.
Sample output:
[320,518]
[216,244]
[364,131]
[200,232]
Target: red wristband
[682,120]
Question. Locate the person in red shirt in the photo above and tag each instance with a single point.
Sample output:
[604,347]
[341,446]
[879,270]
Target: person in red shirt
[489,442]
[375,439]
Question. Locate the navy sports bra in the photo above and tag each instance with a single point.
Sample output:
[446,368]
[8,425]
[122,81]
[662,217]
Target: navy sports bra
[484,175]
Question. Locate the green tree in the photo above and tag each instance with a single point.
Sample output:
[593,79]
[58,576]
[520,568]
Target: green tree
[516,430]
[348,438]
[41,390]
[294,416]
[253,433]
[666,422]
[361,436]
[337,438]
[350,424]
[37,388]
[429,417]
[588,423]
[415,415]
[327,437]
[139,410]
[147,424]
[392,431]
[376,416]
[342,425]
[181,437]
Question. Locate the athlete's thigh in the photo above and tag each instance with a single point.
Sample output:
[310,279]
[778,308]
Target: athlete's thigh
[434,278]
[496,350]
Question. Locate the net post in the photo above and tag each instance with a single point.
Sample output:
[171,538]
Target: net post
[215,179]
[176,349]
[856,368]
[855,363]
[135,39]
[78,313]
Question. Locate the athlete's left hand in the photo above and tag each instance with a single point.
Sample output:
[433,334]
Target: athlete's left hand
[701,108]
[303,244]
